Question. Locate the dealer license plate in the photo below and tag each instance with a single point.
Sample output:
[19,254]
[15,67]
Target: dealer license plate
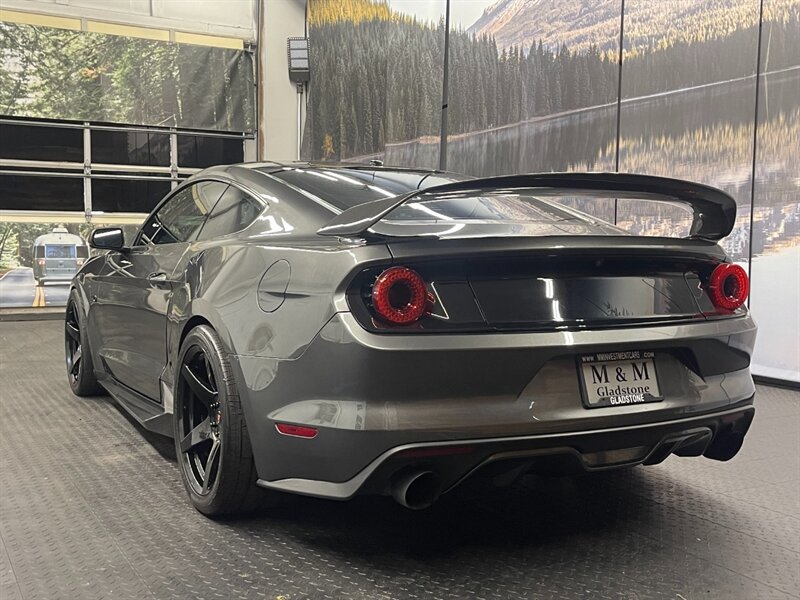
[618,378]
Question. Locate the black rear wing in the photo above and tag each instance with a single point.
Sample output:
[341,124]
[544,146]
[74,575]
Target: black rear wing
[714,210]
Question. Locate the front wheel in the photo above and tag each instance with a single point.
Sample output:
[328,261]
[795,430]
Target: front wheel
[211,441]
[80,371]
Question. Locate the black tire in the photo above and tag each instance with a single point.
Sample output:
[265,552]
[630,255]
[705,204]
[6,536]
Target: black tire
[80,369]
[211,442]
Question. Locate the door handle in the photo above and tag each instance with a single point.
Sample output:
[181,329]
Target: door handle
[157,277]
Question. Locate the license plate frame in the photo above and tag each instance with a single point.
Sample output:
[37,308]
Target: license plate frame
[606,365]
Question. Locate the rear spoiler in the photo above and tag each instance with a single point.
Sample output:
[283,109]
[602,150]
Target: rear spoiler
[714,210]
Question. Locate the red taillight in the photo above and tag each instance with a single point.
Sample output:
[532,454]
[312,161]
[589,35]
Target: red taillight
[296,430]
[728,286]
[40,262]
[399,296]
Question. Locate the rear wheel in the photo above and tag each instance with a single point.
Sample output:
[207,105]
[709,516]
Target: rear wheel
[211,441]
[80,371]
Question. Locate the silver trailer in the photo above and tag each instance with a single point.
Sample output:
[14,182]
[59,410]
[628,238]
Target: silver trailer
[57,256]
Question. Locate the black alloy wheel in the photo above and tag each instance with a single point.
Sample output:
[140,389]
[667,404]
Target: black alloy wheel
[199,421]
[80,372]
[72,339]
[211,441]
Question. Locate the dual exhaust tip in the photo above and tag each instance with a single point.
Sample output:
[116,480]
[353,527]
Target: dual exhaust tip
[416,488]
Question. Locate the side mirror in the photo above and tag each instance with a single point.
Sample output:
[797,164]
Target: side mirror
[107,238]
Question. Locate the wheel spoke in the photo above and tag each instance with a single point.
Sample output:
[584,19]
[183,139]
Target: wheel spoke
[76,360]
[199,434]
[209,373]
[73,332]
[199,389]
[213,456]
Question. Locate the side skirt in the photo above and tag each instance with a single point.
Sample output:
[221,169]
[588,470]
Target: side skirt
[150,415]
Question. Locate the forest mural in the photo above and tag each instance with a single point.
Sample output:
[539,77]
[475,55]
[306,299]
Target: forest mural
[533,87]
[361,46]
[82,76]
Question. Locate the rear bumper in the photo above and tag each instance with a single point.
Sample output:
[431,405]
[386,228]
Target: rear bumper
[370,394]
[717,436]
[59,277]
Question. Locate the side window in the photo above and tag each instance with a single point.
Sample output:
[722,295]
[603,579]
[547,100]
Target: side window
[182,216]
[234,211]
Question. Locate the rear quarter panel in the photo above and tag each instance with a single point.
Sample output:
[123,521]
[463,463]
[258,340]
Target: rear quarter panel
[222,287]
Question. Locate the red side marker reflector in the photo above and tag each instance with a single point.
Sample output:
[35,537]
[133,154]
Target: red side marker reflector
[296,430]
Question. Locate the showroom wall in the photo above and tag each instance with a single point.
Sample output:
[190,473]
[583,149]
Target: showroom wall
[536,85]
[103,109]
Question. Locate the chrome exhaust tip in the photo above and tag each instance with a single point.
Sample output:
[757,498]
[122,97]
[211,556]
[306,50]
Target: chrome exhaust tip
[416,489]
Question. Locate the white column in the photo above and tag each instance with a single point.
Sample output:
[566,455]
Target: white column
[277,114]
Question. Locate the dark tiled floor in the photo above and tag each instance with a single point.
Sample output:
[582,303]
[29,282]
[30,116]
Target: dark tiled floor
[92,507]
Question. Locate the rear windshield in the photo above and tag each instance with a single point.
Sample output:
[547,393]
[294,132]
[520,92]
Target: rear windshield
[527,206]
[520,212]
[342,190]
[345,188]
[59,251]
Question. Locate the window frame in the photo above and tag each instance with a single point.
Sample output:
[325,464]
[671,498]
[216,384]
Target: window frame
[262,203]
[91,171]
[137,240]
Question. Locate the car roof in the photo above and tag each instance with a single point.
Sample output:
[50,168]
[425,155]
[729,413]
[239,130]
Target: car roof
[339,185]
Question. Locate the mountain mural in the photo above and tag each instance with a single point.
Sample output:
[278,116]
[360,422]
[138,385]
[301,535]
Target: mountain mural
[377,74]
[649,25]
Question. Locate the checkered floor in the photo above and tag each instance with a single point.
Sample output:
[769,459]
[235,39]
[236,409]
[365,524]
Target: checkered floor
[91,506]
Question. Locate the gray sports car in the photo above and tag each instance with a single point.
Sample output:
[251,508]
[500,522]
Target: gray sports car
[334,330]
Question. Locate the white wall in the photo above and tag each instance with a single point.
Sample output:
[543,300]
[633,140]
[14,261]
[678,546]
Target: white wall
[278,102]
[234,18]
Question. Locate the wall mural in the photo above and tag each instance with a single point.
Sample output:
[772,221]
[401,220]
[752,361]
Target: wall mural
[533,87]
[82,76]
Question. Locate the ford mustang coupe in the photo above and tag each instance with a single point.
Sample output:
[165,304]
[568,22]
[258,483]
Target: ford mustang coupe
[334,330]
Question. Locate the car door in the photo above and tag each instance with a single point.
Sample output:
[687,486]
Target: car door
[131,297]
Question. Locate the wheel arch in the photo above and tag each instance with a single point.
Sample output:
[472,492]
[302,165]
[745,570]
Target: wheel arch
[193,322]
[199,313]
[82,297]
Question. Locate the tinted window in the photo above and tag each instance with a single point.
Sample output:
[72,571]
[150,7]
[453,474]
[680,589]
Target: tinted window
[234,211]
[528,206]
[122,195]
[199,151]
[27,192]
[59,251]
[130,148]
[29,142]
[183,214]
[345,188]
